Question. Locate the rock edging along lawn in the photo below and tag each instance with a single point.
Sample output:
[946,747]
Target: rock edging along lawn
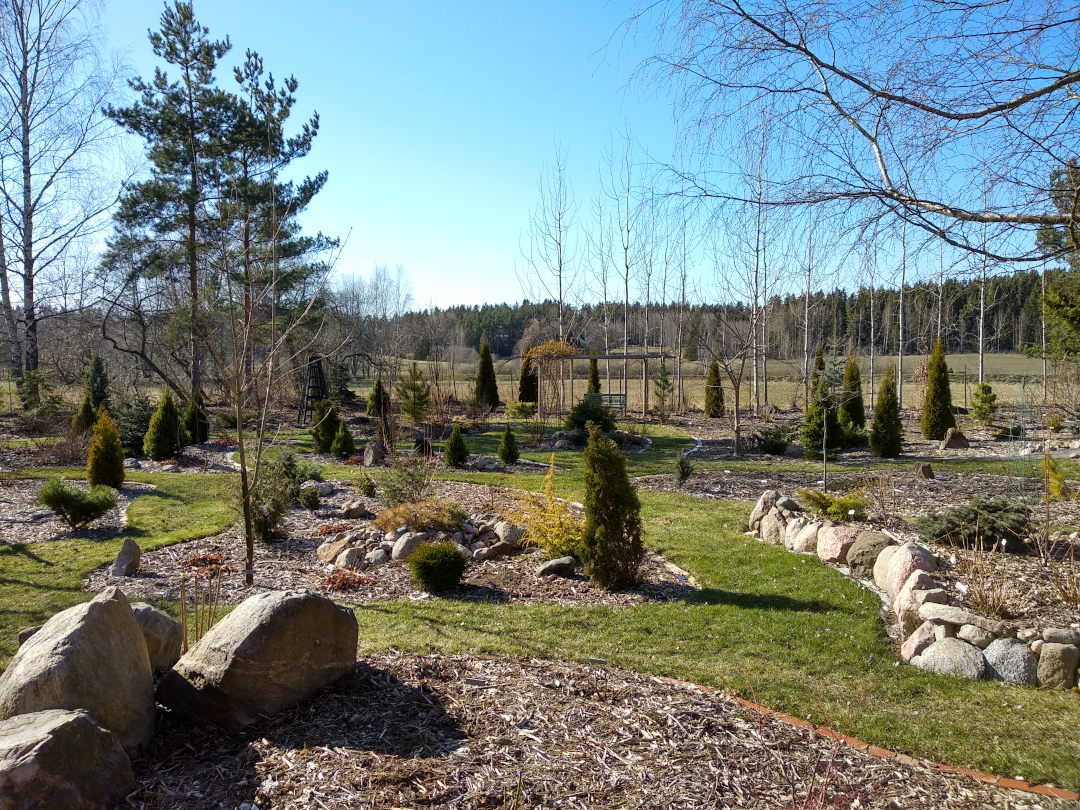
[937,635]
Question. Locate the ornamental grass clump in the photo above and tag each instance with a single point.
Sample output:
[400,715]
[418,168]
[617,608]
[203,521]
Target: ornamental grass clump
[422,516]
[437,567]
[75,506]
[548,521]
[611,542]
[105,462]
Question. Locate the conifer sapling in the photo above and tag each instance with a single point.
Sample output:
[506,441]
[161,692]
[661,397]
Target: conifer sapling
[105,464]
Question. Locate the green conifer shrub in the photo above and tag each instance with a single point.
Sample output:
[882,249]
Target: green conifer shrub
[309,498]
[378,401]
[274,492]
[455,453]
[437,567]
[662,388]
[343,445]
[414,392]
[132,421]
[937,407]
[84,417]
[817,367]
[852,410]
[529,381]
[983,523]
[324,425]
[165,436]
[594,377]
[590,411]
[96,383]
[984,403]
[195,422]
[683,470]
[714,392]
[487,385]
[886,431]
[105,462]
[611,544]
[508,449]
[74,506]
[820,419]
[340,377]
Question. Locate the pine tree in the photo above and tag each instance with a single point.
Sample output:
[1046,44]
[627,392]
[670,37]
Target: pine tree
[487,385]
[852,411]
[714,392]
[455,453]
[415,393]
[105,464]
[340,377]
[378,400]
[886,431]
[937,408]
[594,377]
[324,425]
[166,435]
[195,422]
[84,417]
[820,419]
[96,384]
[508,449]
[529,383]
[343,445]
[612,547]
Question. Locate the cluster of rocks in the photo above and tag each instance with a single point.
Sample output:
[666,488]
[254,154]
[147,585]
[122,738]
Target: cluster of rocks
[479,539]
[79,700]
[937,634]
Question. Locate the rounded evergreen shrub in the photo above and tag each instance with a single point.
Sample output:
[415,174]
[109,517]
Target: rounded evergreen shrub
[75,506]
[590,411]
[105,464]
[437,567]
[165,436]
[84,418]
[508,449]
[195,422]
[455,453]
[984,403]
[309,498]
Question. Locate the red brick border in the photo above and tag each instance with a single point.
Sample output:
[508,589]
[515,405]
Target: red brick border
[859,745]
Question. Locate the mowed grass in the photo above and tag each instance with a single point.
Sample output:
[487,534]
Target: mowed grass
[779,628]
[40,579]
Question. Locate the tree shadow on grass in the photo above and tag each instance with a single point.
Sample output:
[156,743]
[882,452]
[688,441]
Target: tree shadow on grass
[748,600]
[8,549]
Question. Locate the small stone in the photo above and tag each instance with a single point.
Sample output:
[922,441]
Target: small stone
[943,631]
[376,557]
[1027,634]
[790,504]
[406,544]
[329,551]
[27,632]
[938,596]
[351,557]
[355,510]
[465,550]
[559,567]
[954,440]
[509,533]
[974,636]
[324,488]
[132,464]
[1057,665]
[171,468]
[924,470]
[1036,646]
[1062,635]
[918,641]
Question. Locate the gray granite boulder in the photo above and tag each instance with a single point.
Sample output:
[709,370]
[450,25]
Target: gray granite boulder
[766,502]
[881,567]
[949,614]
[162,634]
[127,560]
[406,544]
[805,541]
[954,440]
[864,553]
[559,567]
[91,656]
[273,650]
[951,656]
[1011,661]
[1062,635]
[1057,665]
[61,758]
[773,528]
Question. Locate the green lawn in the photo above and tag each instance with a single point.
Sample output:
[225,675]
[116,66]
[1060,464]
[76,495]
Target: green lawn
[780,628]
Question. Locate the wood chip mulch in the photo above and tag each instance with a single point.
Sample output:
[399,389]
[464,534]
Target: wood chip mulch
[447,731]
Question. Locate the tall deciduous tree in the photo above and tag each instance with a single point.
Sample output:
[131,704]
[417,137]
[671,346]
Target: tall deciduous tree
[53,192]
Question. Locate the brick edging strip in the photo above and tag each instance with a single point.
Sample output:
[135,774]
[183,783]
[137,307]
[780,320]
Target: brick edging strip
[859,745]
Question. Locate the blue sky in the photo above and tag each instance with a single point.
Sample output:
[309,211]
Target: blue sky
[436,119]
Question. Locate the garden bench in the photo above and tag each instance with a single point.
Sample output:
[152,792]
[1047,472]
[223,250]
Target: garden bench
[613,401]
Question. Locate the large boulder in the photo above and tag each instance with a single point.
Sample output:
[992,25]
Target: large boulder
[906,606]
[1011,661]
[127,561]
[909,557]
[559,567]
[61,759]
[881,567]
[773,527]
[273,650]
[958,616]
[1057,665]
[351,557]
[918,641]
[509,533]
[162,634]
[954,440]
[834,542]
[406,544]
[864,553]
[766,502]
[373,454]
[91,656]
[951,656]
[332,548]
[805,541]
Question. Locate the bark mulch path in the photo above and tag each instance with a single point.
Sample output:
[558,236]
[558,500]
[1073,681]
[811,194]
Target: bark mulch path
[448,731]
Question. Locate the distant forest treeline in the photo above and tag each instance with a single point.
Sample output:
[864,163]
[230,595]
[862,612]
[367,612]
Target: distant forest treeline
[1013,320]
